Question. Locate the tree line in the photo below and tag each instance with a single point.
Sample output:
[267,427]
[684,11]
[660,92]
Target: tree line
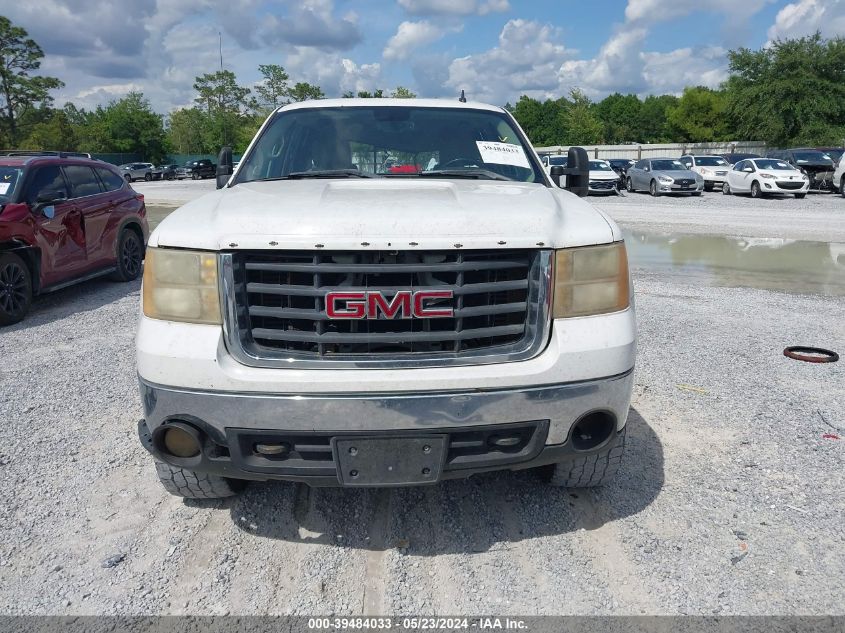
[789,93]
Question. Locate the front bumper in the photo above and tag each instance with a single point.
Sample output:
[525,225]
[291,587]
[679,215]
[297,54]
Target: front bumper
[676,188]
[232,423]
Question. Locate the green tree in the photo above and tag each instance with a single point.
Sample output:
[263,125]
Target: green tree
[698,116]
[128,125]
[620,116]
[226,105]
[303,91]
[375,94]
[544,122]
[185,131]
[788,93]
[583,126]
[403,93]
[20,56]
[53,131]
[273,88]
[653,126]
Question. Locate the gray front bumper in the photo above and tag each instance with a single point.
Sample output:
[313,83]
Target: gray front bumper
[232,422]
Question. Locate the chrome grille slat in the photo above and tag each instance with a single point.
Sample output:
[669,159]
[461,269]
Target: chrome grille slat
[275,312]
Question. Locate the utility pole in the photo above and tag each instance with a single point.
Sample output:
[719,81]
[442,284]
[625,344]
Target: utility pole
[220,35]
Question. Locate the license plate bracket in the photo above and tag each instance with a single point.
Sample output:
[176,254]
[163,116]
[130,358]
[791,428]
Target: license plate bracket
[389,461]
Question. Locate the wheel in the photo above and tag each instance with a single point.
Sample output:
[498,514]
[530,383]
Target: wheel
[652,188]
[708,186]
[148,176]
[755,190]
[127,177]
[171,176]
[590,471]
[195,176]
[130,252]
[15,289]
[726,189]
[696,193]
[800,196]
[842,186]
[186,483]
[629,185]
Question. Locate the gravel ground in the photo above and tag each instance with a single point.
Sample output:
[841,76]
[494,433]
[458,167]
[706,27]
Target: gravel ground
[729,501]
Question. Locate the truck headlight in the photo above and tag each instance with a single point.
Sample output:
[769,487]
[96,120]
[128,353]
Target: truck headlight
[591,280]
[181,286]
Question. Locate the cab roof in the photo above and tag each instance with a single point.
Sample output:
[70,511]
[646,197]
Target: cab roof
[389,103]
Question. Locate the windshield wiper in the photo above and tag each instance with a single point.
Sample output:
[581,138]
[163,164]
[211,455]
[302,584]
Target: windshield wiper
[465,173]
[326,173]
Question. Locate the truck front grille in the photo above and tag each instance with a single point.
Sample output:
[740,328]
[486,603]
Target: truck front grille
[277,307]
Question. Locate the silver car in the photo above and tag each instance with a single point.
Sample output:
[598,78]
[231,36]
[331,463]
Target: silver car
[663,175]
[137,171]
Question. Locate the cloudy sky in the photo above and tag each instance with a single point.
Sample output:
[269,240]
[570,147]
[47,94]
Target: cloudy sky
[494,49]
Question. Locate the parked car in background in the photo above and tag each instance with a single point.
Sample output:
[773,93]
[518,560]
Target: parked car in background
[835,153]
[663,175]
[165,172]
[763,176]
[817,165]
[197,169]
[137,171]
[714,169]
[620,166]
[63,220]
[839,176]
[735,158]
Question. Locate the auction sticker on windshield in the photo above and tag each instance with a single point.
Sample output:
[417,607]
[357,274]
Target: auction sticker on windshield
[502,154]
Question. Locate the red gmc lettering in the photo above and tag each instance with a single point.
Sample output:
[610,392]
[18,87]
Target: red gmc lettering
[405,304]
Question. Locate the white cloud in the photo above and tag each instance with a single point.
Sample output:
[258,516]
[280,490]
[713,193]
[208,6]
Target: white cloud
[333,73]
[673,71]
[454,7]
[526,61]
[312,23]
[410,36]
[805,17]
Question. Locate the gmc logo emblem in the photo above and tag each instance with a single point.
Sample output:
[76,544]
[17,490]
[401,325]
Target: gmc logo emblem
[405,304]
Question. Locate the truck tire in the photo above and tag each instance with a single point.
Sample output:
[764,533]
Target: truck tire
[15,289]
[590,471]
[190,485]
[130,254]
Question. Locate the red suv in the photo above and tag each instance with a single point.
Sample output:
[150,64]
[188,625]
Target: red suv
[63,220]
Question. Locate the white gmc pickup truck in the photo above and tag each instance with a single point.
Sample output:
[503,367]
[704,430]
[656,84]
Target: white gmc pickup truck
[385,293]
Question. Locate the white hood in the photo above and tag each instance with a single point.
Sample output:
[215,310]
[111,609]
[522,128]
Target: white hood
[385,214]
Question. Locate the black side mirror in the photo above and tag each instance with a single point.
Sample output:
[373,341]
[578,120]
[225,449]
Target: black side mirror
[46,199]
[578,171]
[224,166]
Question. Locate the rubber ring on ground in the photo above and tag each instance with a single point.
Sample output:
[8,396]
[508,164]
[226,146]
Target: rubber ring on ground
[811,354]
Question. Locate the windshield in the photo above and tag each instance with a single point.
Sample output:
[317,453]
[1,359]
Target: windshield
[710,161]
[667,165]
[382,141]
[770,163]
[9,179]
[835,154]
[811,157]
[599,165]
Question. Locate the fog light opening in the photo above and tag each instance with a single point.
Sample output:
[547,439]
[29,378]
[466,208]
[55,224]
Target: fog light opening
[593,430]
[180,440]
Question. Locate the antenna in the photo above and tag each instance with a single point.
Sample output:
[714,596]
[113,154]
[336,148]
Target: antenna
[220,35]
[462,98]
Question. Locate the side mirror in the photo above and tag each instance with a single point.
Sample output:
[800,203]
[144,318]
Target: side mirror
[45,201]
[224,166]
[578,171]
[556,171]
[748,169]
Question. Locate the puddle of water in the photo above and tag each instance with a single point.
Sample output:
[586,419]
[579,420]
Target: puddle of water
[791,266]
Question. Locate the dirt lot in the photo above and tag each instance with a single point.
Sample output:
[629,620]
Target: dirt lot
[729,502]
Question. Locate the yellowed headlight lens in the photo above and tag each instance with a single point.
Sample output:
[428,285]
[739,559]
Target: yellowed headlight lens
[181,286]
[591,280]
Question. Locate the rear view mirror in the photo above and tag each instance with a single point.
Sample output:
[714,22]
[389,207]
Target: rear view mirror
[44,203]
[748,169]
[578,171]
[224,166]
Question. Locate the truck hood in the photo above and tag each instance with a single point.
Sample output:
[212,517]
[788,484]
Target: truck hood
[385,214]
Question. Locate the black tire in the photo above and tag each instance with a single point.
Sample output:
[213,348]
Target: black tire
[171,176]
[756,192]
[195,176]
[190,485]
[708,186]
[726,189]
[130,254]
[652,189]
[696,193]
[629,185]
[842,187]
[148,176]
[127,177]
[590,471]
[15,289]
[800,196]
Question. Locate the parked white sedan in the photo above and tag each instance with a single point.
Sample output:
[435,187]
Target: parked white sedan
[763,176]
[714,169]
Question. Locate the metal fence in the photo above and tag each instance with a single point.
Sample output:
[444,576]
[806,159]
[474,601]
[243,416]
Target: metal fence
[670,150]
